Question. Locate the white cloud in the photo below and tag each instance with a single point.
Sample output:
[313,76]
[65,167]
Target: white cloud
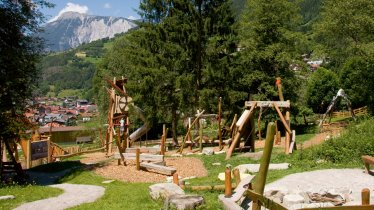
[71,7]
[107,6]
[131,17]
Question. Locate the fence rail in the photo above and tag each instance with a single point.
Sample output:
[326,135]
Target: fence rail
[358,112]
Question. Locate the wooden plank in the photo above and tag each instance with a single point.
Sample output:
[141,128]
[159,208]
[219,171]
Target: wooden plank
[159,168]
[243,121]
[149,150]
[143,157]
[282,104]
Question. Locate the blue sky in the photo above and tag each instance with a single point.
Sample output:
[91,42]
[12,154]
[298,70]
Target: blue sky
[116,8]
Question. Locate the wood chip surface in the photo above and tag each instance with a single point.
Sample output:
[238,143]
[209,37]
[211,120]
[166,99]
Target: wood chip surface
[186,167]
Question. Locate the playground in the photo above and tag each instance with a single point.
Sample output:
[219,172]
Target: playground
[244,164]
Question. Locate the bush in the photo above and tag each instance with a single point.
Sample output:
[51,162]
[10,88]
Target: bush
[349,147]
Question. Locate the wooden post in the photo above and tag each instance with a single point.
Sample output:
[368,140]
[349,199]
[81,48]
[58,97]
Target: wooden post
[28,155]
[259,184]
[365,197]
[288,135]
[127,133]
[176,179]
[200,136]
[120,148]
[137,159]
[228,186]
[163,138]
[280,92]
[219,123]
[252,137]
[236,173]
[49,151]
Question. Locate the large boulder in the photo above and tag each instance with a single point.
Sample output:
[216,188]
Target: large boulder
[164,190]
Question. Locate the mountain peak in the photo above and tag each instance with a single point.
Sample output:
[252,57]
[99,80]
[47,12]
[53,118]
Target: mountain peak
[71,15]
[72,29]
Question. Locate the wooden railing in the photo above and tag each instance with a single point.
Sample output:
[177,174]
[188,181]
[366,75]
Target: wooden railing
[358,112]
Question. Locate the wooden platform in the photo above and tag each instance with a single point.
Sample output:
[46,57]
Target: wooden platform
[158,168]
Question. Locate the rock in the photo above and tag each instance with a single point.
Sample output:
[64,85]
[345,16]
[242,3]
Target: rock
[253,168]
[252,155]
[164,190]
[189,153]
[182,202]
[7,197]
[107,181]
[292,199]
[208,151]
[275,195]
[220,152]
[221,176]
[216,164]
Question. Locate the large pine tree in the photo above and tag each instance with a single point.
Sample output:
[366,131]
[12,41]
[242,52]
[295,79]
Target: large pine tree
[177,60]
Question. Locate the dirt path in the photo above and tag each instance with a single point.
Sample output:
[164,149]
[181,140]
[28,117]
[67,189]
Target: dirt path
[74,194]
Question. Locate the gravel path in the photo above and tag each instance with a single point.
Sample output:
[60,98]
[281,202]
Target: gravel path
[75,194]
[323,180]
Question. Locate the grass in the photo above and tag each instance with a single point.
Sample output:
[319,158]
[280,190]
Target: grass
[25,193]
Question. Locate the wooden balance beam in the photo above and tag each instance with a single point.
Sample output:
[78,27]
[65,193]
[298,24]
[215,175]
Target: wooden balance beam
[368,160]
[143,157]
[158,168]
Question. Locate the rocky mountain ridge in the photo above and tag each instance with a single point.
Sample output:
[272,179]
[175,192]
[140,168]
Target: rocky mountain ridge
[72,29]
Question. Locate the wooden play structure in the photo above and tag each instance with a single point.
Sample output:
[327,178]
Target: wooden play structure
[246,126]
[118,132]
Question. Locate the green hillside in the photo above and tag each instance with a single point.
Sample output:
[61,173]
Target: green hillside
[70,72]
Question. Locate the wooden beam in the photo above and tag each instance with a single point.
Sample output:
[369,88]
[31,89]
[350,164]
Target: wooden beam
[282,104]
[143,157]
[266,202]
[116,87]
[282,119]
[240,124]
[158,168]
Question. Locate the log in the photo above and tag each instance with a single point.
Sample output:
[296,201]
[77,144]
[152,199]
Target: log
[143,157]
[158,168]
[282,119]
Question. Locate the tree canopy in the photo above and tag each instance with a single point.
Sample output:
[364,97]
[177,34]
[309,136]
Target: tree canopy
[19,52]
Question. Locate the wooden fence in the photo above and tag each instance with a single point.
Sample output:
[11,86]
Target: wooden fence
[358,112]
